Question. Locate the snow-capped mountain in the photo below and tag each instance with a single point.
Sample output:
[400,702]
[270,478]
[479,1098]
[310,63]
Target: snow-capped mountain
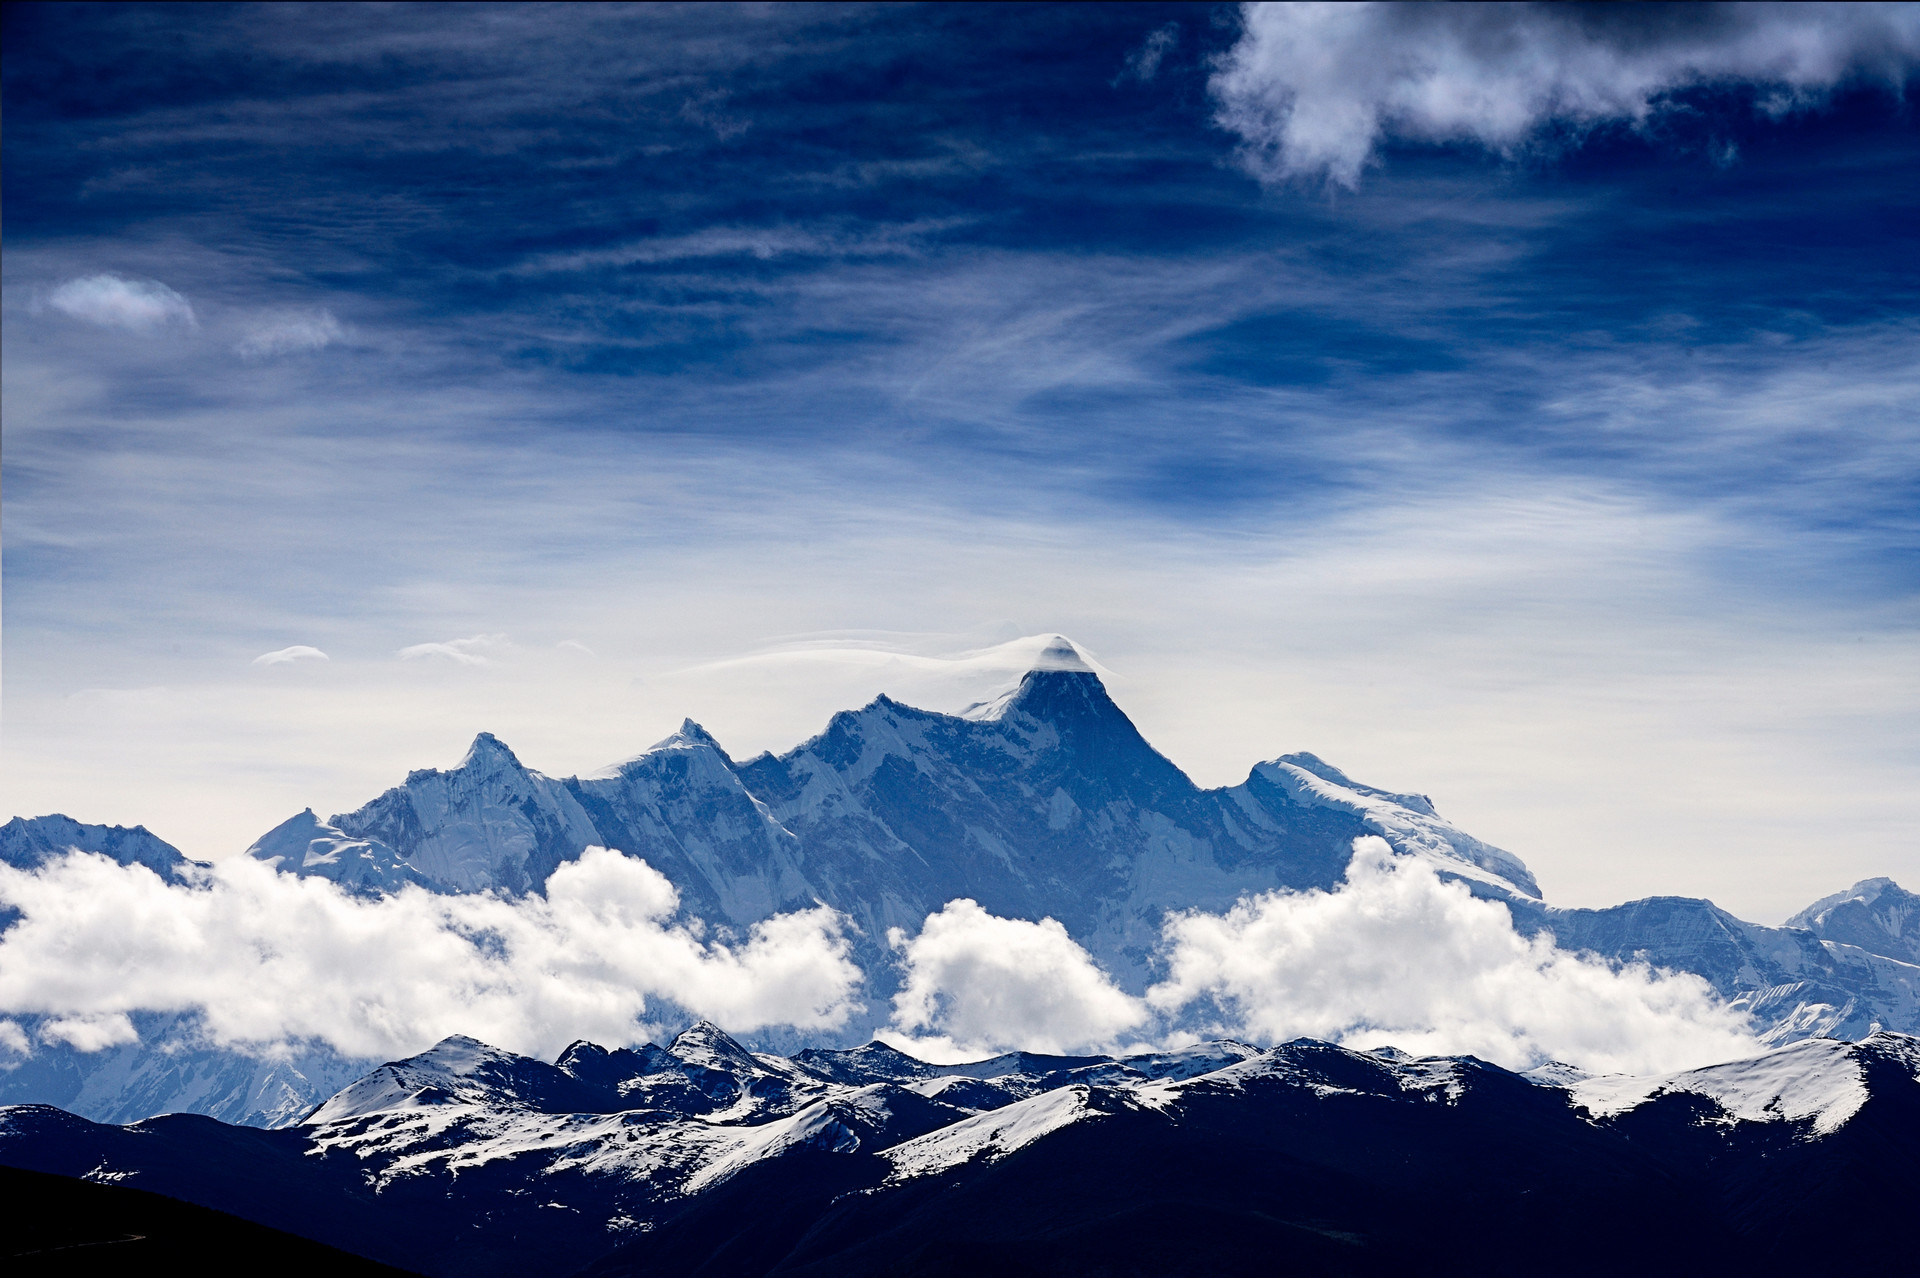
[1046,802]
[170,1067]
[703,1156]
[1874,915]
[1043,802]
[27,843]
[1794,981]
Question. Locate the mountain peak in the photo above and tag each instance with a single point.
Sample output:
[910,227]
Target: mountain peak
[28,842]
[688,734]
[704,1043]
[1876,915]
[490,752]
[1060,654]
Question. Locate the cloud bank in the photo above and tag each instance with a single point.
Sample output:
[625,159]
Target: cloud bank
[112,302]
[266,958]
[1314,88]
[1398,956]
[983,984]
[1394,956]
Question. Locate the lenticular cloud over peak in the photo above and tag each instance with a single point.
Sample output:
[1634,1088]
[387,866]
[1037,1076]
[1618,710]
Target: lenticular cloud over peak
[1313,88]
[290,655]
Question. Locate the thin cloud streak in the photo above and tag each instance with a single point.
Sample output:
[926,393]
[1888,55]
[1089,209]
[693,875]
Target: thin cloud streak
[288,656]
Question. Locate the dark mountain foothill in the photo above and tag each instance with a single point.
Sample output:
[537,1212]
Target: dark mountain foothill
[1215,1159]
[57,1225]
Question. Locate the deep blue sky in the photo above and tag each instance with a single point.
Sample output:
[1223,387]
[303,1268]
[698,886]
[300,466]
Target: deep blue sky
[1542,471]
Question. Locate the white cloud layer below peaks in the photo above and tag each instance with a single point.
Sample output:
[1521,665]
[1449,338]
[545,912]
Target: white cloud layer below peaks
[1397,956]
[1394,956]
[265,958]
[1313,88]
[977,984]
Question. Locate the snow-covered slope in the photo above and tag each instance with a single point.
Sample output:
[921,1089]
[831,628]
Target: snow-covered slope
[307,846]
[471,1160]
[169,1069]
[1793,982]
[26,843]
[1875,915]
[1822,1082]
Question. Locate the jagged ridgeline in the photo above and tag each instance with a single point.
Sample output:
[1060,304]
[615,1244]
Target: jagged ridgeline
[1044,802]
[702,1157]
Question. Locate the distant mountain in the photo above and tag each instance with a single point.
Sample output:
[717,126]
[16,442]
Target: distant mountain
[1794,982]
[171,1069]
[27,843]
[1044,802]
[705,1157]
[1874,915]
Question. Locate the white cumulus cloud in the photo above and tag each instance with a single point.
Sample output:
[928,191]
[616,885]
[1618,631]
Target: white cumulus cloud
[287,656]
[1395,956]
[977,984]
[91,1033]
[291,333]
[114,302]
[1398,956]
[1312,88]
[266,958]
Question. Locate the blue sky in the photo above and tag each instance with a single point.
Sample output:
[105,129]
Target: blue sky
[1518,406]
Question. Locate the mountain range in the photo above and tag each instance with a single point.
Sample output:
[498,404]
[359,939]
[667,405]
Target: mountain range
[1045,802]
[703,1157]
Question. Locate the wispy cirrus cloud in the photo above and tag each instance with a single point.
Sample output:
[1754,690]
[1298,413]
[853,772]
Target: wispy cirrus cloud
[113,302]
[1313,89]
[290,333]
